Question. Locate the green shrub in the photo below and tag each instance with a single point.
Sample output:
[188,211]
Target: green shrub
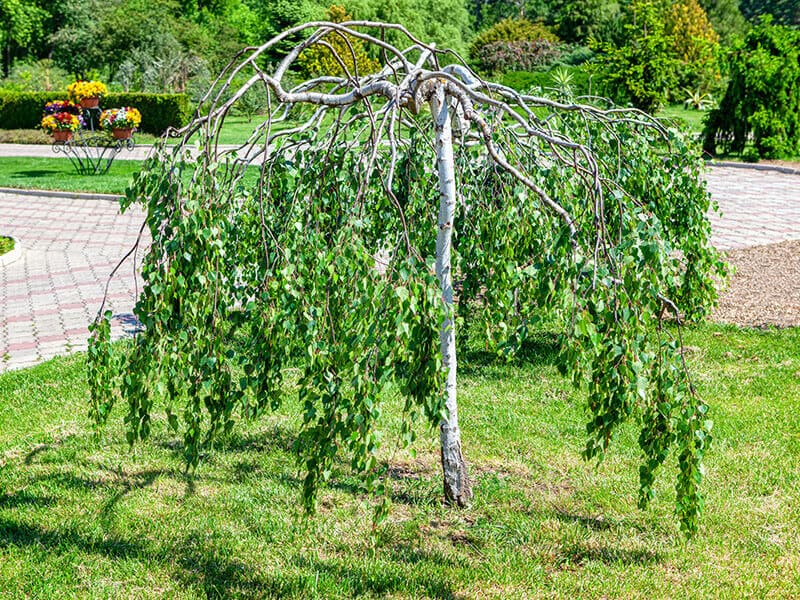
[763,95]
[510,31]
[23,110]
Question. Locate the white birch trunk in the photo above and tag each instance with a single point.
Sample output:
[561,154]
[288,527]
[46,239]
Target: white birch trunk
[457,487]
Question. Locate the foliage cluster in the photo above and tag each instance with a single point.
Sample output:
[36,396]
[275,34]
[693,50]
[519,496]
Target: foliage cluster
[695,44]
[22,110]
[28,75]
[664,50]
[514,45]
[502,57]
[642,70]
[763,95]
[578,21]
[165,46]
[784,12]
[318,59]
[6,245]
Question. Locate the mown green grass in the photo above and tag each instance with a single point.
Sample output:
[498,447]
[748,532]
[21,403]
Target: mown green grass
[59,174]
[691,120]
[82,518]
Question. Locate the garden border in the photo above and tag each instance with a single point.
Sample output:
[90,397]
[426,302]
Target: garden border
[755,166]
[60,194]
[13,255]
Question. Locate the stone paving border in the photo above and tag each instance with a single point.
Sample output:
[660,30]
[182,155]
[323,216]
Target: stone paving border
[11,256]
[729,164]
[57,194]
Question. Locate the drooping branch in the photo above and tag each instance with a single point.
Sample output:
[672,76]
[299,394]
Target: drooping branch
[313,240]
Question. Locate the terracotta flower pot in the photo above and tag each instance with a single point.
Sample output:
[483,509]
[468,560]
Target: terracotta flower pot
[122,134]
[62,135]
[92,102]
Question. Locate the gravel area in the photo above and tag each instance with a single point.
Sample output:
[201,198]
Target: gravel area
[765,289]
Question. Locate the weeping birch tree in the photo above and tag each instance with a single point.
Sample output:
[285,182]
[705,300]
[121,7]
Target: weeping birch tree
[371,220]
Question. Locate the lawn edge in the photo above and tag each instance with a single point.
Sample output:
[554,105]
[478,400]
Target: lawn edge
[61,194]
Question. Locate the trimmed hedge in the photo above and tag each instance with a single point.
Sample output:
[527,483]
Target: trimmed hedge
[23,110]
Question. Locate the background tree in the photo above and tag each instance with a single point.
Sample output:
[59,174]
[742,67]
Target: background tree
[265,258]
[21,24]
[642,69]
[337,54]
[726,19]
[445,22]
[785,12]
[696,45]
[580,20]
[763,95]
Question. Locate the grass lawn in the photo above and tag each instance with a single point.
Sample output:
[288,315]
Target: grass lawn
[6,244]
[82,518]
[59,174]
[692,119]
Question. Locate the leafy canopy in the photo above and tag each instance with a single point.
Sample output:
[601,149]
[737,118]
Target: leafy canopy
[763,95]
[304,264]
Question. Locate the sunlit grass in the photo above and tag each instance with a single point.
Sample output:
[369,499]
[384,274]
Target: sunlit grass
[87,518]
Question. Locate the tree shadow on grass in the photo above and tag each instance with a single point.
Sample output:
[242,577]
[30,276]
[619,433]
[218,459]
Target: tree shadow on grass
[367,579]
[195,563]
[594,523]
[276,437]
[540,348]
[65,539]
[580,554]
[23,498]
[37,173]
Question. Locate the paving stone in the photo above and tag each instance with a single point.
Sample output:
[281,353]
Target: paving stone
[53,291]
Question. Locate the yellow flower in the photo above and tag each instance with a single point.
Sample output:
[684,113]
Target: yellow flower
[49,123]
[86,89]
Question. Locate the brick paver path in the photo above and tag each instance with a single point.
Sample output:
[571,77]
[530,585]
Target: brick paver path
[758,207]
[53,288]
[52,291]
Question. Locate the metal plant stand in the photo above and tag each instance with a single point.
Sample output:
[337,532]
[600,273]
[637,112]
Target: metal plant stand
[92,150]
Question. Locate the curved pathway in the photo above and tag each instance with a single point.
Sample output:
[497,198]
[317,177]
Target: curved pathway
[52,289]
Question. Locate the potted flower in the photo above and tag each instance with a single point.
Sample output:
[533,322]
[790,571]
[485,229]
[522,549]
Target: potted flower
[62,125]
[121,122]
[61,106]
[87,93]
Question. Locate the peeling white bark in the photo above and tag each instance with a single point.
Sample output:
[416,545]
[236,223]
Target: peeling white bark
[457,487]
